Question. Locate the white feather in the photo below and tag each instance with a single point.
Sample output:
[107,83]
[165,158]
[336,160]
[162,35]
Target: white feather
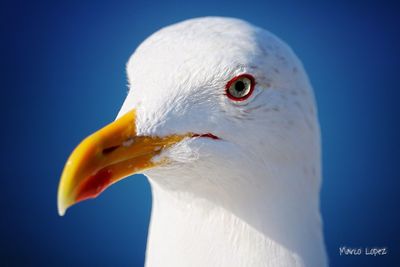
[252,198]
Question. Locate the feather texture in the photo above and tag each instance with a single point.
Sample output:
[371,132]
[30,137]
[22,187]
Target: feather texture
[251,198]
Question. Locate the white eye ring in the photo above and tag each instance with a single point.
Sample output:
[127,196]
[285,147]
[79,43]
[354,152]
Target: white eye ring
[240,87]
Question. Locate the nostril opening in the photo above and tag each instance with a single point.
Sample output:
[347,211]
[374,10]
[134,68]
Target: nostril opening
[110,149]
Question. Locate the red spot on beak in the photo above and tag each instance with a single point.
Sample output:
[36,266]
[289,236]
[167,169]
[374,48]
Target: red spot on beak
[94,185]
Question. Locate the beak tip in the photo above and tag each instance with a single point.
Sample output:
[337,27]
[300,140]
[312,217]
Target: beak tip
[61,209]
[62,206]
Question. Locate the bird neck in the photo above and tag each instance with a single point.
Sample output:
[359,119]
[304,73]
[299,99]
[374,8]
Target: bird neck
[279,226]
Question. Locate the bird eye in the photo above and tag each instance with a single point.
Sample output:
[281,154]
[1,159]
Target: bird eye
[240,87]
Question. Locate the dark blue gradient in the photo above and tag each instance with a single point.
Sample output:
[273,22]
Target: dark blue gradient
[63,77]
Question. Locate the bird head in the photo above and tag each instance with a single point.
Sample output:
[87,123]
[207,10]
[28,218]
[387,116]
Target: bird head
[205,96]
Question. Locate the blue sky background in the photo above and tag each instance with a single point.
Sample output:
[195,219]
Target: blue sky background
[62,73]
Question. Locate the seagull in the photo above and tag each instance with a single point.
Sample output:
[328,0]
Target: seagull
[221,118]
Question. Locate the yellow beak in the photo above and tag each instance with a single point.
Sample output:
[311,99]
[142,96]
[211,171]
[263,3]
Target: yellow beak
[107,156]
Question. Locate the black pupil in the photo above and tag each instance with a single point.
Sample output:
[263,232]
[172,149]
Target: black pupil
[239,86]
